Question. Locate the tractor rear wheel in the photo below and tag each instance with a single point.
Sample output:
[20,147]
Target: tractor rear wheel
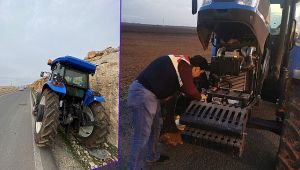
[289,149]
[47,119]
[94,136]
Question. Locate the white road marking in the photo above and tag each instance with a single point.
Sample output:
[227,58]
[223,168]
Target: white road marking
[36,152]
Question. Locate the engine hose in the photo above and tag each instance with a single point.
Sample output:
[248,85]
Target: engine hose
[220,51]
[228,82]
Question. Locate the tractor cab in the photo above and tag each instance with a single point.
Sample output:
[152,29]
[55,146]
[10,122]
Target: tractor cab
[75,81]
[71,76]
[66,99]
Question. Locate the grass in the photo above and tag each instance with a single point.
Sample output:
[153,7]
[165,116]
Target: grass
[72,150]
[111,149]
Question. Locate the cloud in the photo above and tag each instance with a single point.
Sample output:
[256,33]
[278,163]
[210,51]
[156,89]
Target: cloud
[33,31]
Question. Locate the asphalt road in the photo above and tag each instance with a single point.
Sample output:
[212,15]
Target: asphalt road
[17,148]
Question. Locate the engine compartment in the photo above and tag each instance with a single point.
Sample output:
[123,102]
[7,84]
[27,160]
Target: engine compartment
[232,75]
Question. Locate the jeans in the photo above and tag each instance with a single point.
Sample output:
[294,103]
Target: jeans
[145,109]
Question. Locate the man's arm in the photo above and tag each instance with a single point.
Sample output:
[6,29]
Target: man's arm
[188,87]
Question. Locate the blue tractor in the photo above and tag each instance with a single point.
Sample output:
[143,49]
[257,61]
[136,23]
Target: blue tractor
[67,100]
[255,56]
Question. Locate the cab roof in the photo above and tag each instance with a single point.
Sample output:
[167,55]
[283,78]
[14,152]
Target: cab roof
[76,64]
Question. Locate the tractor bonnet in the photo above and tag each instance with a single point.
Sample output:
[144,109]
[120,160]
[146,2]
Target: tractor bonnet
[76,63]
[230,17]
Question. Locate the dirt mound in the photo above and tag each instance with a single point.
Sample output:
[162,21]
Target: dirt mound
[38,84]
[107,51]
[7,89]
[106,82]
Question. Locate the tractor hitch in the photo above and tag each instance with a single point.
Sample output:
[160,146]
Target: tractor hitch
[263,124]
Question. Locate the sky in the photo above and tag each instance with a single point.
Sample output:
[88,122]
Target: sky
[159,12]
[33,31]
[162,12]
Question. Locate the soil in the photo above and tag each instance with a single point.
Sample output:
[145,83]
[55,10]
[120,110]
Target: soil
[141,44]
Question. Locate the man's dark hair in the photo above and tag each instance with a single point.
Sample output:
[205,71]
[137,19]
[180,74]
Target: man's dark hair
[199,61]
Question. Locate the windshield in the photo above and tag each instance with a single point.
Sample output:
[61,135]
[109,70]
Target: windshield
[275,18]
[76,78]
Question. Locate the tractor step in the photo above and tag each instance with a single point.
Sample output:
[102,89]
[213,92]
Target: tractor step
[217,124]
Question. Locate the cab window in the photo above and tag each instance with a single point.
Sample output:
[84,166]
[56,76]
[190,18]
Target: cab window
[275,18]
[57,71]
[76,78]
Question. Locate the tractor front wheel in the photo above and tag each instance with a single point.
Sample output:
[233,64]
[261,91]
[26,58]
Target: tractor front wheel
[95,135]
[289,149]
[47,119]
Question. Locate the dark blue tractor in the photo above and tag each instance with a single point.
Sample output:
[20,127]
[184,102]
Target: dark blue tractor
[67,100]
[255,56]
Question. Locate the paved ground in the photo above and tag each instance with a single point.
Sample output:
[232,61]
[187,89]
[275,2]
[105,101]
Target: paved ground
[260,151]
[17,150]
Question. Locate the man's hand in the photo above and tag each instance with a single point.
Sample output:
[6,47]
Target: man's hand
[203,97]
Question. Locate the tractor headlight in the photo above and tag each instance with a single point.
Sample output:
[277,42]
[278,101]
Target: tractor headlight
[252,3]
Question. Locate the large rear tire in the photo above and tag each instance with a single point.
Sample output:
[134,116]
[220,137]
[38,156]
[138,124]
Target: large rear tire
[95,136]
[47,119]
[289,149]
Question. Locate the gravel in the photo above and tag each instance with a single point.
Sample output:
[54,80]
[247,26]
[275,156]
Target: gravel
[69,154]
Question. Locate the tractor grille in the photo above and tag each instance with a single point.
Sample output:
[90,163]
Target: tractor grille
[220,124]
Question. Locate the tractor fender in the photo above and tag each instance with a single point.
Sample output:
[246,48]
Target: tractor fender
[90,98]
[61,90]
[294,62]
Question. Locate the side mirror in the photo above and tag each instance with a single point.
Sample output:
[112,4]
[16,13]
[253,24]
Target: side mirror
[42,74]
[194,7]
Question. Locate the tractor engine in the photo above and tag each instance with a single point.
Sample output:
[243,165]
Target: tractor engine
[231,75]
[238,36]
[223,117]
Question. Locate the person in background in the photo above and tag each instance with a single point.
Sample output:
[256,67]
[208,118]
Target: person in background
[170,133]
[159,81]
